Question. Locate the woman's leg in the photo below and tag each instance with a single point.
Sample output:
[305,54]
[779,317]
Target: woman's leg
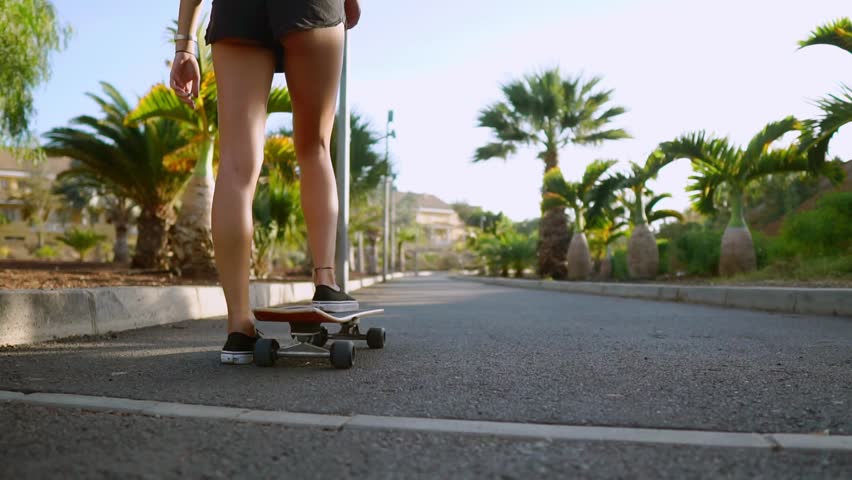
[243,77]
[312,62]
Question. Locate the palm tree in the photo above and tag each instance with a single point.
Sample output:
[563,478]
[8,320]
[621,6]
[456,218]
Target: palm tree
[609,230]
[404,235]
[192,236]
[82,190]
[643,258]
[837,108]
[590,198]
[81,240]
[276,206]
[722,173]
[128,162]
[549,112]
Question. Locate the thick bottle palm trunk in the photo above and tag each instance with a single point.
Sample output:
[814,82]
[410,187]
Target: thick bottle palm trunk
[737,251]
[643,257]
[191,236]
[579,261]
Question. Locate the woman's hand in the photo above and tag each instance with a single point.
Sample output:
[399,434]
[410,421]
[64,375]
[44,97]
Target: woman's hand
[353,13]
[185,77]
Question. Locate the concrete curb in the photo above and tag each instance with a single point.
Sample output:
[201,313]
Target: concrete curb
[811,301]
[29,316]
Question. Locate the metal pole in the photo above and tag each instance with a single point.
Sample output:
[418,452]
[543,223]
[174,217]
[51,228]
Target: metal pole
[385,240]
[386,235]
[342,174]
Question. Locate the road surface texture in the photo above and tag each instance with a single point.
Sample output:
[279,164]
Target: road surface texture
[456,350]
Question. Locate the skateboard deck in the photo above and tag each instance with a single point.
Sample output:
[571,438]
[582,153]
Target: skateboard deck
[309,315]
[311,336]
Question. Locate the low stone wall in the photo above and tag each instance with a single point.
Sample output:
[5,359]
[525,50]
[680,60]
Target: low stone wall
[811,301]
[29,316]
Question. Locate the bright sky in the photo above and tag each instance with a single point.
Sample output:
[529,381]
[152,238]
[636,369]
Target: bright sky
[728,68]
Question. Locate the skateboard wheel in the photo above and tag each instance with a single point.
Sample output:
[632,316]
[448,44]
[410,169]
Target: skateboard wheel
[342,354]
[376,338]
[321,338]
[265,352]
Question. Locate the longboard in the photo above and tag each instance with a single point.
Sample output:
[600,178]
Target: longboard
[307,314]
[306,328]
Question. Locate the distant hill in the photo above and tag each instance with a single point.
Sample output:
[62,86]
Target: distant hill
[823,188]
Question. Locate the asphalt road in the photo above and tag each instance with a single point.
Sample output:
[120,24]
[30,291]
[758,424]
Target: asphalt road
[456,350]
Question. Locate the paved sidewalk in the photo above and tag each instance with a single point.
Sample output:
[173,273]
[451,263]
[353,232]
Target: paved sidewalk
[456,350]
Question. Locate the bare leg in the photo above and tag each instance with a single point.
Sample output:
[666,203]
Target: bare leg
[243,77]
[313,61]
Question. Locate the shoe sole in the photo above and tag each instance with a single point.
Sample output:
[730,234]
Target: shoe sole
[336,307]
[236,358]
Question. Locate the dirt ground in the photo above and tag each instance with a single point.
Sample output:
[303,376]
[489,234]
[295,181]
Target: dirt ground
[47,275]
[18,274]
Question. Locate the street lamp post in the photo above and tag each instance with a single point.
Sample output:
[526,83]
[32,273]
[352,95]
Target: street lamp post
[388,180]
[342,174]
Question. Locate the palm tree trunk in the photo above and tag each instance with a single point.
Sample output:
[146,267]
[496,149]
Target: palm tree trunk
[120,217]
[121,252]
[643,257]
[152,239]
[737,251]
[372,254]
[579,259]
[554,236]
[191,235]
[361,266]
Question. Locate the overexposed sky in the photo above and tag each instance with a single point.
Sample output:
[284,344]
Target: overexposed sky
[727,67]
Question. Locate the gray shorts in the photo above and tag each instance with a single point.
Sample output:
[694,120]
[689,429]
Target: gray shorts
[266,21]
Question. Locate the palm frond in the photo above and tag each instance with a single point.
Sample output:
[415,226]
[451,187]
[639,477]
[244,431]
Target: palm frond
[551,200]
[662,214]
[837,33]
[654,200]
[704,188]
[594,171]
[780,160]
[506,124]
[161,101]
[761,142]
[280,154]
[279,101]
[494,150]
[837,112]
[600,197]
[555,183]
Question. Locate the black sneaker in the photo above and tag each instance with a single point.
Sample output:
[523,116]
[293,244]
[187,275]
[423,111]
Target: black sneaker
[239,349]
[330,300]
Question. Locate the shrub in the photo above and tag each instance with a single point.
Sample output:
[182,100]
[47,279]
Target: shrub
[697,250]
[82,241]
[619,265]
[763,247]
[824,231]
[664,249]
[46,252]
